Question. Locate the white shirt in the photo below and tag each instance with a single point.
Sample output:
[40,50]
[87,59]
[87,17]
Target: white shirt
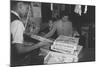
[17,30]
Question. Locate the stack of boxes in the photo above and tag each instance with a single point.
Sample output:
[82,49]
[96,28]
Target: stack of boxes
[64,50]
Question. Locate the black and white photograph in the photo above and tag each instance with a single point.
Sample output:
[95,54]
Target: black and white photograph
[45,33]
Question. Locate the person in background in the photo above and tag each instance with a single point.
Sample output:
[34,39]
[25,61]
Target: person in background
[50,24]
[62,27]
[18,46]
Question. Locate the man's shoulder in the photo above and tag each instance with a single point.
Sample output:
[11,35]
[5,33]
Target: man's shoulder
[17,23]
